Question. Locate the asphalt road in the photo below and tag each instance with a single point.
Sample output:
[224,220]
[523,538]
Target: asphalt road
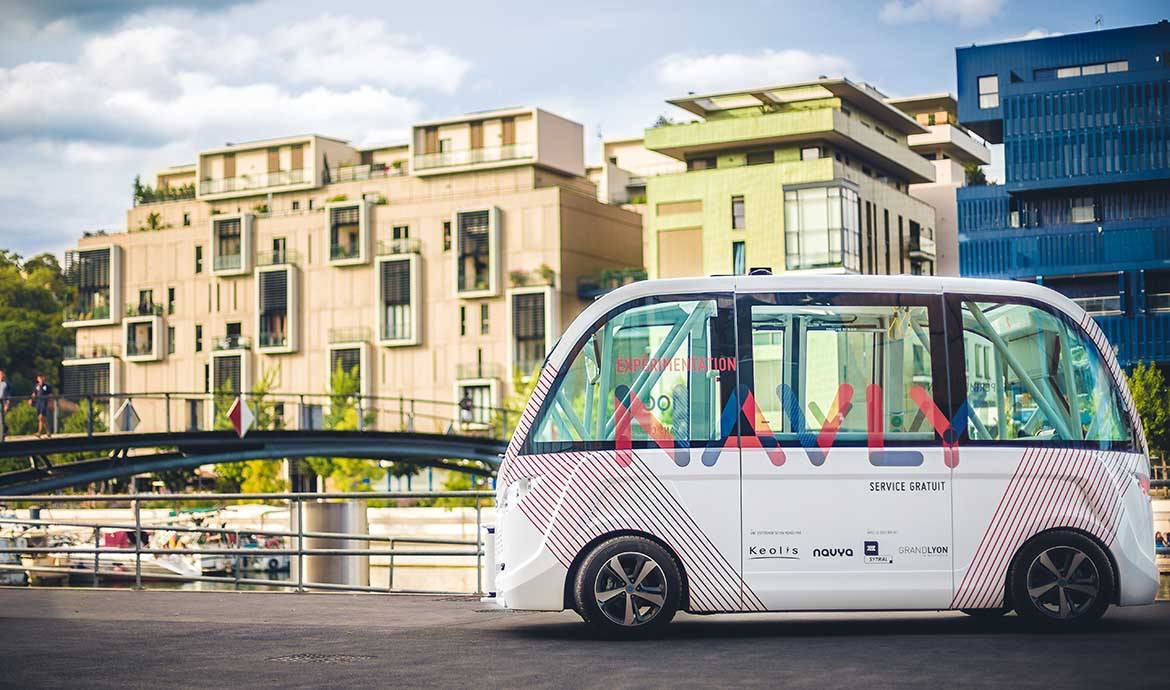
[163,639]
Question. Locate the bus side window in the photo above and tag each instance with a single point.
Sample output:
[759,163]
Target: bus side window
[661,356]
[1032,375]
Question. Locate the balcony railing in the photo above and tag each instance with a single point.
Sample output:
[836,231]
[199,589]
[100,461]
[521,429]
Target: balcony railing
[479,370]
[410,245]
[538,278]
[273,339]
[277,257]
[90,351]
[229,262]
[491,154]
[340,252]
[589,287]
[1100,305]
[1158,301]
[258,181]
[140,348]
[97,313]
[231,342]
[922,245]
[143,309]
[351,334]
[355,173]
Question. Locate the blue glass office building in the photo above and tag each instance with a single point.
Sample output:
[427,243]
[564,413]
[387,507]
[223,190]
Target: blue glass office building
[1085,206]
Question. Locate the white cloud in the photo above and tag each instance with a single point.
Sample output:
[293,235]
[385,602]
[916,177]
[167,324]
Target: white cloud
[964,12]
[726,71]
[1038,32]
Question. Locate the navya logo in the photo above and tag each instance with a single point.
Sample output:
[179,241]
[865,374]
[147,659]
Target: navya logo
[779,553]
[873,554]
[925,551]
[833,553]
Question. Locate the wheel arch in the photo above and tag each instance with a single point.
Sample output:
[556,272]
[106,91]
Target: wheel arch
[579,559]
[1114,596]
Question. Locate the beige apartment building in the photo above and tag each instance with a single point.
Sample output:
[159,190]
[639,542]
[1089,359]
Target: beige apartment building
[438,268]
[949,146]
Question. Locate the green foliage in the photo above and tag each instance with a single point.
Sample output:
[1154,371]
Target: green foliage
[504,420]
[350,474]
[975,175]
[336,198]
[250,476]
[145,194]
[33,294]
[1152,399]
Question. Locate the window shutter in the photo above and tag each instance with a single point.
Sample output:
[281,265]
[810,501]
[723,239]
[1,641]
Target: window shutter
[528,316]
[396,282]
[273,292]
[85,379]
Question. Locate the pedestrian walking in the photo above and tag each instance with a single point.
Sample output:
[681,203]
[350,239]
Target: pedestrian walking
[3,406]
[41,395]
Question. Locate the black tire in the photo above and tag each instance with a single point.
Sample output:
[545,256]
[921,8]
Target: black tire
[985,613]
[1051,576]
[651,595]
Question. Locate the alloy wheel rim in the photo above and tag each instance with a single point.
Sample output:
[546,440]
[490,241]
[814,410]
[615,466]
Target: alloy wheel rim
[1063,582]
[630,589]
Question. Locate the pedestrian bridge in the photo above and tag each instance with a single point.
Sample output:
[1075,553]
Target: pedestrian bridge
[116,455]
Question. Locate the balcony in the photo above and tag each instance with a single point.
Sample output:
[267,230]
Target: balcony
[478,370]
[270,339]
[344,252]
[592,287]
[410,245]
[278,257]
[351,334]
[71,352]
[921,247]
[143,309]
[541,277]
[139,349]
[231,262]
[491,154]
[357,173]
[231,342]
[81,315]
[245,183]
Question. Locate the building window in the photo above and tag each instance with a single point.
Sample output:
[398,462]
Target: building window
[170,300]
[475,248]
[140,339]
[345,233]
[462,319]
[170,340]
[398,311]
[1118,66]
[229,252]
[988,91]
[738,258]
[484,323]
[85,379]
[822,228]
[296,205]
[346,361]
[445,146]
[198,258]
[528,331]
[145,302]
[199,337]
[88,273]
[1082,209]
[760,157]
[400,232]
[186,219]
[810,153]
[446,235]
[737,213]
[480,395]
[703,163]
[273,307]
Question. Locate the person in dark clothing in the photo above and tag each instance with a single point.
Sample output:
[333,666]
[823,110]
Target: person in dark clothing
[40,400]
[3,406]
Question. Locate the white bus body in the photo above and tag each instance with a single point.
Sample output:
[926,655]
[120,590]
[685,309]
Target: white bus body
[761,443]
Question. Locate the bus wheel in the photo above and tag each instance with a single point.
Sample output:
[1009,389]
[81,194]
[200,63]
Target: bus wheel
[985,613]
[1061,579]
[628,587]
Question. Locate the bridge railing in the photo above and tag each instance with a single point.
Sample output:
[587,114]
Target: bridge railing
[173,411]
[28,538]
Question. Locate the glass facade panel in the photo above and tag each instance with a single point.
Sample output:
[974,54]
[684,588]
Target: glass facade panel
[821,228]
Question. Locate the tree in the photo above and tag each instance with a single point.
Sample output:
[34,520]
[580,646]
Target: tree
[251,476]
[350,474]
[505,419]
[33,294]
[1147,383]
[975,175]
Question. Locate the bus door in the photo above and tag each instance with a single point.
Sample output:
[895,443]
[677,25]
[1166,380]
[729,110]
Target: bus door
[846,486]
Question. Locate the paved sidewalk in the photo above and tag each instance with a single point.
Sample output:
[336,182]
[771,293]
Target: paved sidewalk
[152,639]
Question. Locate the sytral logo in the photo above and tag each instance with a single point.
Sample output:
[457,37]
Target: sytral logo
[873,554]
[780,553]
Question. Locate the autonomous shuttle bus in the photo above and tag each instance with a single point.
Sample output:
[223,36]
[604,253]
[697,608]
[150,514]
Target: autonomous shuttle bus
[761,443]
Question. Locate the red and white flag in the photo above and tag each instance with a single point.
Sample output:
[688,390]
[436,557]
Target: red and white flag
[241,416]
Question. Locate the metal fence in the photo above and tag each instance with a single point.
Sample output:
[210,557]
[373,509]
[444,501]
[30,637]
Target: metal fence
[201,411]
[294,539]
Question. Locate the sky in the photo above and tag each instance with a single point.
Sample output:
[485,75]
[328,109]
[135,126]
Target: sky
[93,93]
